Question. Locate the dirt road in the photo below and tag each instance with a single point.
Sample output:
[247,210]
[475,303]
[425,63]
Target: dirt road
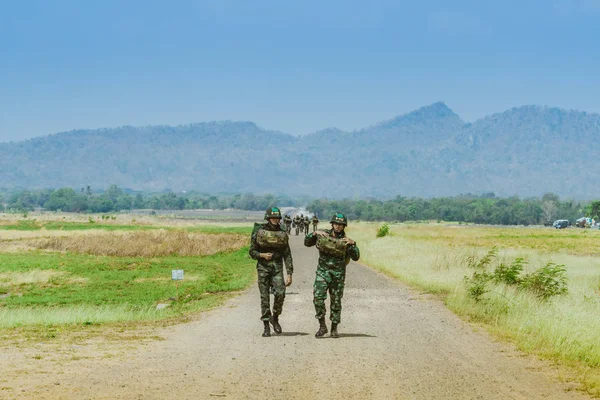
[395,344]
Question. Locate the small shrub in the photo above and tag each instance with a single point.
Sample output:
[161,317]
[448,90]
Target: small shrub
[509,275]
[477,285]
[486,260]
[384,231]
[546,282]
[91,220]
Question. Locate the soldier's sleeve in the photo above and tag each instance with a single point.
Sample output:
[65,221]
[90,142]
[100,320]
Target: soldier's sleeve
[254,251]
[354,252]
[287,258]
[310,239]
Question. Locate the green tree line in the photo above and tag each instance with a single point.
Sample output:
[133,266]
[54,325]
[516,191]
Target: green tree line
[480,209]
[116,199]
[484,209]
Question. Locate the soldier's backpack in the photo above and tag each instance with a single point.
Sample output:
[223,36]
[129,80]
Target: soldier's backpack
[270,239]
[332,246]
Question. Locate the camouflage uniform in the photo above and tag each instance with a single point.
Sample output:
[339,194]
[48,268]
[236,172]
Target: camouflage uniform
[331,274]
[270,273]
[287,220]
[306,225]
[315,222]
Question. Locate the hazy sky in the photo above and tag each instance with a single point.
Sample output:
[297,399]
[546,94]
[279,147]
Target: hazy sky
[294,66]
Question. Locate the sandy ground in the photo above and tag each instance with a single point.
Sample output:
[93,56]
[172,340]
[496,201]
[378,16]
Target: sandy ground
[395,344]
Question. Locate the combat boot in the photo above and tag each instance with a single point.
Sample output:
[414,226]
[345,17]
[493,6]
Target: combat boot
[334,332]
[275,323]
[267,332]
[322,328]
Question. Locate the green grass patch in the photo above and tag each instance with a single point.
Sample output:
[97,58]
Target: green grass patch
[54,288]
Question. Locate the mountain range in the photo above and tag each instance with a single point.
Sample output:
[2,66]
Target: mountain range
[430,152]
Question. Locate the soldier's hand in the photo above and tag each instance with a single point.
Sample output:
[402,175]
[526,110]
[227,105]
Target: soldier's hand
[319,233]
[349,241]
[266,256]
[288,282]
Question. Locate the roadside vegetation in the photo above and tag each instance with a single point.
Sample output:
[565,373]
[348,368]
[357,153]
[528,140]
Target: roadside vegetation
[68,276]
[538,288]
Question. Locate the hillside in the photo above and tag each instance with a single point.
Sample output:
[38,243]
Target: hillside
[524,151]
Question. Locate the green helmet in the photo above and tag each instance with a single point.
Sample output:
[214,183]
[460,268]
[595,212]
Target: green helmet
[273,212]
[339,218]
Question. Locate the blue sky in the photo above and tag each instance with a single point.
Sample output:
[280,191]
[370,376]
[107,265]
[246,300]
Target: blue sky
[292,66]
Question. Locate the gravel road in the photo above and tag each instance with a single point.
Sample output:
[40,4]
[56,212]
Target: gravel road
[394,344]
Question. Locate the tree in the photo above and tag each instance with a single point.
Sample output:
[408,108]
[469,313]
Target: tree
[66,199]
[139,201]
[550,197]
[113,193]
[549,210]
[593,209]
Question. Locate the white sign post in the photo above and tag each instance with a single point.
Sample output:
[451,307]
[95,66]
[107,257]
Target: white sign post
[177,275]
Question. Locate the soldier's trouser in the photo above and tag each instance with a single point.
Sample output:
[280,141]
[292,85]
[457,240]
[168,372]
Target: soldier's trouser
[314,227]
[270,276]
[332,281]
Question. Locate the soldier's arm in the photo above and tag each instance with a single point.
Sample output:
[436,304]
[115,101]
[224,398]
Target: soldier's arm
[287,258]
[310,239]
[254,251]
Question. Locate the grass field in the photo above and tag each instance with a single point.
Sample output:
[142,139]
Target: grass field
[75,274]
[67,274]
[436,258]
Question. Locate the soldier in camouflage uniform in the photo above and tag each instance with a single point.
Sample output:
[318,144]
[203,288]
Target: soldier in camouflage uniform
[287,220]
[270,270]
[301,223]
[331,273]
[306,225]
[297,224]
[315,222]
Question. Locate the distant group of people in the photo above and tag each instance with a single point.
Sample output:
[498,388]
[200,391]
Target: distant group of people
[269,245]
[301,223]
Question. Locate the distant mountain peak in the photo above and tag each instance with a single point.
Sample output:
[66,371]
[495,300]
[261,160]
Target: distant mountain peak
[437,111]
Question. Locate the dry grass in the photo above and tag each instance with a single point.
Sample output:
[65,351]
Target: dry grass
[157,243]
[19,241]
[436,258]
[574,241]
[17,235]
[120,219]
